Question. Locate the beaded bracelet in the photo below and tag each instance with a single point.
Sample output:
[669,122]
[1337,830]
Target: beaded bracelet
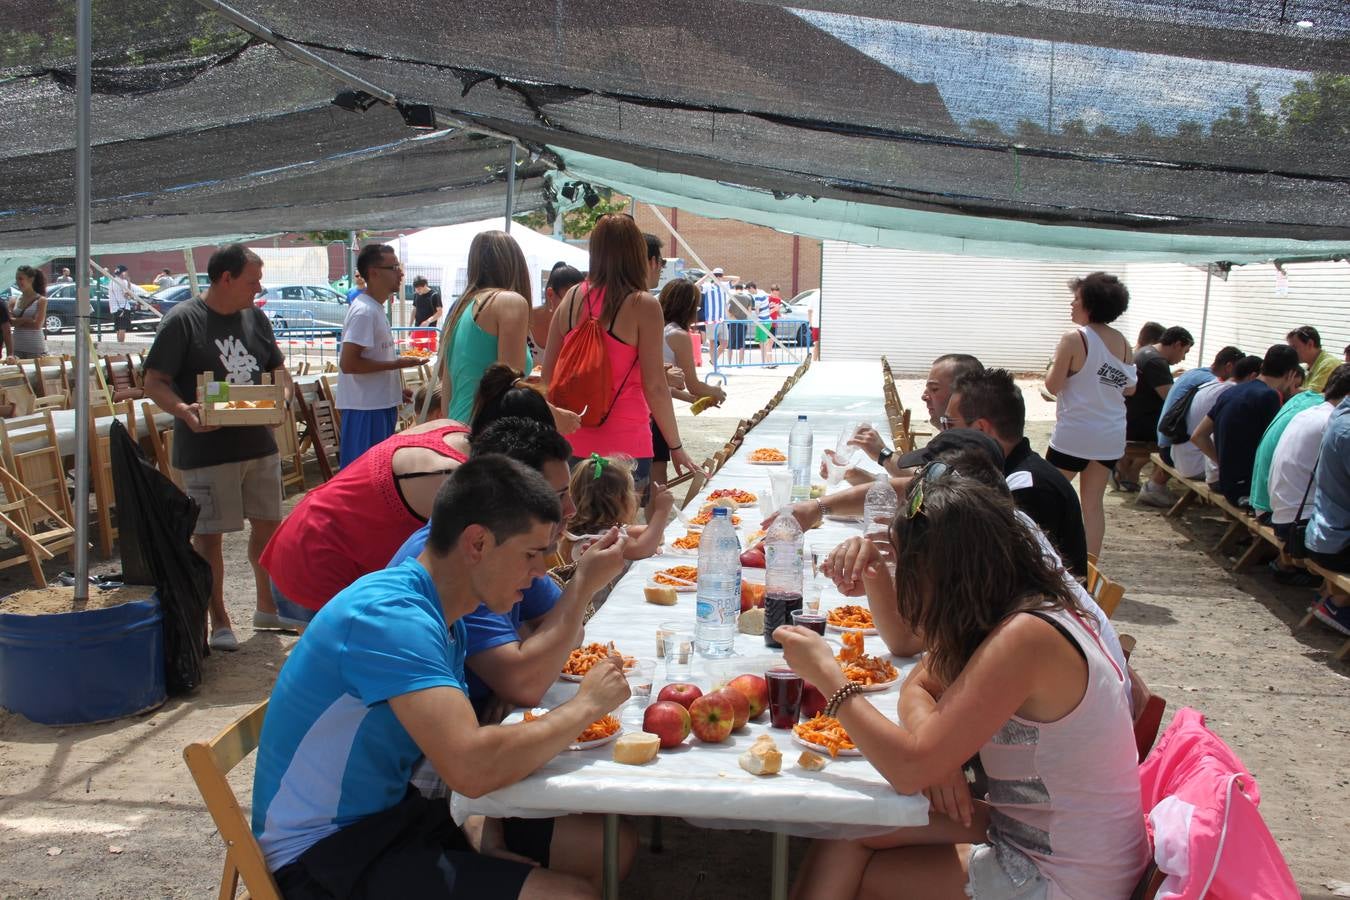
[839,696]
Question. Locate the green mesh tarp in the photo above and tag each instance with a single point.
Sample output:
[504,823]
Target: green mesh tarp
[1223,121]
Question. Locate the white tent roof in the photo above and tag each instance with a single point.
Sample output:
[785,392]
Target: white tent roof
[446,248]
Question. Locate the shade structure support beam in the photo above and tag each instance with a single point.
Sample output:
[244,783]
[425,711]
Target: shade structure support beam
[1204,315]
[83,118]
[510,187]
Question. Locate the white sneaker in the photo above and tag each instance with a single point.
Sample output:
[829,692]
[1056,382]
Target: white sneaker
[1152,495]
[223,639]
[265,621]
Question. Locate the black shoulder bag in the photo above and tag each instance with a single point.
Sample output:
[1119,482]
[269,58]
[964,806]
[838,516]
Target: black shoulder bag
[1295,544]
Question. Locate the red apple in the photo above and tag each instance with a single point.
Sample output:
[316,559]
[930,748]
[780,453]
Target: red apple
[681,692]
[712,717]
[740,707]
[667,720]
[756,691]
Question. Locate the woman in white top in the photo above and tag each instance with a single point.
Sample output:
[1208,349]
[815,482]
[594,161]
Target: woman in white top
[1013,671]
[680,305]
[1091,376]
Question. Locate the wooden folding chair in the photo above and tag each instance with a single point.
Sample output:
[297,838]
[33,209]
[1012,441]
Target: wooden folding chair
[1106,592]
[40,542]
[100,471]
[328,390]
[122,383]
[31,453]
[161,442]
[42,399]
[209,762]
[288,447]
[322,434]
[15,388]
[53,383]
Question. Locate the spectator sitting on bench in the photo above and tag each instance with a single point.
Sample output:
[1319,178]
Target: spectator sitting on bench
[1154,492]
[1231,432]
[1153,365]
[1149,334]
[1291,468]
[1299,402]
[1308,343]
[1187,458]
[1328,535]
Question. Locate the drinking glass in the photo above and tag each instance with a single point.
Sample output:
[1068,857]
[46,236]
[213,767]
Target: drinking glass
[785,696]
[847,453]
[813,620]
[679,654]
[640,677]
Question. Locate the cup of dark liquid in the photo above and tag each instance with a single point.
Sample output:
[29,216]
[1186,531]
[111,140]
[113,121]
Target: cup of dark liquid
[813,620]
[813,701]
[785,696]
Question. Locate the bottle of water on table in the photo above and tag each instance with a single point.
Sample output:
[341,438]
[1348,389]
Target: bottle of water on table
[782,573]
[719,586]
[799,459]
[879,508]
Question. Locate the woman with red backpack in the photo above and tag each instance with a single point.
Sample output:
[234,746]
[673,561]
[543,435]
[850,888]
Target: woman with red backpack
[603,358]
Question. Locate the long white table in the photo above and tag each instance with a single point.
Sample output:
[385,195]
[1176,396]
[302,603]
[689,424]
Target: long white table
[702,782]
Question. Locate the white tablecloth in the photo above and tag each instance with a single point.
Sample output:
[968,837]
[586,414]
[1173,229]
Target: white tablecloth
[702,782]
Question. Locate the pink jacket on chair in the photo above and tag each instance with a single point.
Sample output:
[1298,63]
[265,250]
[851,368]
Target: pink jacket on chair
[1208,835]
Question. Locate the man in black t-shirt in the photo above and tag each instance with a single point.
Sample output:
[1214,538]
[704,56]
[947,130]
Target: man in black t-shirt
[232,473]
[991,402]
[1142,408]
[426,302]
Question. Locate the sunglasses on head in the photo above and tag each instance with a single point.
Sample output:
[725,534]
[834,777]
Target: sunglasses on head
[931,471]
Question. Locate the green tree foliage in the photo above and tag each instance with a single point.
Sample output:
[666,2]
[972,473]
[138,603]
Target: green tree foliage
[1318,110]
[578,223]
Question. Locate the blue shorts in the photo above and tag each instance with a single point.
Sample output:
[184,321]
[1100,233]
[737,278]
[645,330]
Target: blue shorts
[363,429]
[288,608]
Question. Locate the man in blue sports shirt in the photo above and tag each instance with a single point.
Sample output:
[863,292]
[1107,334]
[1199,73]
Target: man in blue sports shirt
[377,682]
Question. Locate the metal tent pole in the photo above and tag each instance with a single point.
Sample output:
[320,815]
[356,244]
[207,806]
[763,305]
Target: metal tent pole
[1204,315]
[510,188]
[83,16]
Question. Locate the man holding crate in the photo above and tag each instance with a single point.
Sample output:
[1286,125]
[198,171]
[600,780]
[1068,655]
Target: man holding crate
[234,473]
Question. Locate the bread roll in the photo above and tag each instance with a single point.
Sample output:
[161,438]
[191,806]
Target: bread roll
[660,595]
[811,762]
[636,748]
[751,621]
[763,758]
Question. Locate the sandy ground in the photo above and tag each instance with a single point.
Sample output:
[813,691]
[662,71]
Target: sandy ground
[107,810]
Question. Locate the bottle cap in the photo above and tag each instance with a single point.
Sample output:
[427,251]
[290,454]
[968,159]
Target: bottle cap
[719,512]
[801,418]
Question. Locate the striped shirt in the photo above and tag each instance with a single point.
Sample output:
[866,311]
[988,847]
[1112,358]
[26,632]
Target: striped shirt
[715,294]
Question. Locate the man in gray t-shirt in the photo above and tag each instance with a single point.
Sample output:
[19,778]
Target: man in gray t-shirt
[232,473]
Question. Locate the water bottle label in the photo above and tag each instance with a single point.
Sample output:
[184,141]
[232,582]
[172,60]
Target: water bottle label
[707,611]
[779,553]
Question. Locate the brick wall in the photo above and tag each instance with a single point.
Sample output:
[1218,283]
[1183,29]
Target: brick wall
[750,252]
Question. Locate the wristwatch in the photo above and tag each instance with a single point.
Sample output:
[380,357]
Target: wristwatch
[883,456]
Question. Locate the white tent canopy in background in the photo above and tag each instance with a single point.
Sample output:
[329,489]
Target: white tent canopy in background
[442,253]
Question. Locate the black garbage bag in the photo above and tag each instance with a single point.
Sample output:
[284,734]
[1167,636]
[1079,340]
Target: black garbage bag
[154,522]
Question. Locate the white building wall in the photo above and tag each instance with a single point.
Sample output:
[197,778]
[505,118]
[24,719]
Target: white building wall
[915,306]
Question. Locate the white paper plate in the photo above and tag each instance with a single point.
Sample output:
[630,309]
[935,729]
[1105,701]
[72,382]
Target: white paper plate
[678,588]
[823,751]
[848,520]
[766,462]
[575,679]
[590,745]
[839,629]
[671,550]
[878,688]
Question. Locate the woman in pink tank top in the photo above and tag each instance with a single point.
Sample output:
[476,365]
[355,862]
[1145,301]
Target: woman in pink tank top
[615,292]
[1013,671]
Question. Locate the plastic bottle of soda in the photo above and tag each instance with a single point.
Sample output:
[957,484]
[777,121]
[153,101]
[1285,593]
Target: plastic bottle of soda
[782,573]
[799,459]
[719,587]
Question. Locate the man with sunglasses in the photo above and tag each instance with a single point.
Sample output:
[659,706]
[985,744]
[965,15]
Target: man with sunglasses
[369,386]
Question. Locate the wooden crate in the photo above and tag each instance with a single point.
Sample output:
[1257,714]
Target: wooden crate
[216,395]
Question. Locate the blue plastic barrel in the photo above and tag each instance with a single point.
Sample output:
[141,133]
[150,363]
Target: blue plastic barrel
[88,666]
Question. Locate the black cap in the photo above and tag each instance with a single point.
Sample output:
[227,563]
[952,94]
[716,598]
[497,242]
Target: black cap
[954,439]
[119,270]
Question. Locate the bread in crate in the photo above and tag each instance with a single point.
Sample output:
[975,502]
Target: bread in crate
[228,404]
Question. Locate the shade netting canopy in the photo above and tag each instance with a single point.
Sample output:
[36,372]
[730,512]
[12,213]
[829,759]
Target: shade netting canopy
[1047,126]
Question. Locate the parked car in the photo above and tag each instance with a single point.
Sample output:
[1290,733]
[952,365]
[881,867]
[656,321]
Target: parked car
[302,305]
[61,311]
[203,280]
[167,298]
[805,305]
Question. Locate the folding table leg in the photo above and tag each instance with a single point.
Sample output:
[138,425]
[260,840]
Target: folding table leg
[778,889]
[611,859]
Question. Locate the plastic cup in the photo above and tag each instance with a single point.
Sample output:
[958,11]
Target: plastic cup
[640,677]
[679,655]
[785,696]
[813,620]
[813,701]
[664,629]
[780,486]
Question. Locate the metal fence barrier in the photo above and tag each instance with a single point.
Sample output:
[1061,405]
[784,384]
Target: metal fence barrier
[745,344]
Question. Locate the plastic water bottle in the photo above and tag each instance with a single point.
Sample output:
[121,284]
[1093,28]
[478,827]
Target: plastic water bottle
[719,586]
[799,459]
[782,573]
[879,509]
